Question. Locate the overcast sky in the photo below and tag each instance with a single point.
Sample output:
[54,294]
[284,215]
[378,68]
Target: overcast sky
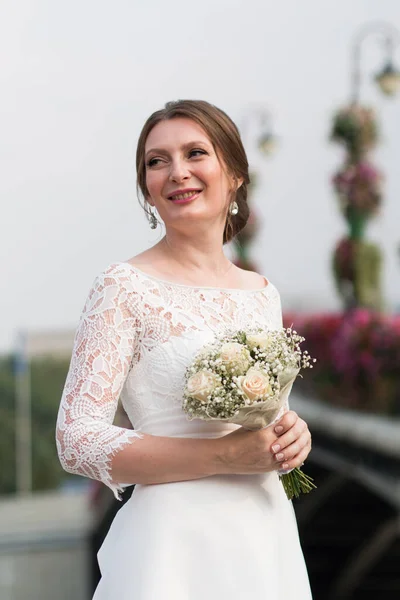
[77,80]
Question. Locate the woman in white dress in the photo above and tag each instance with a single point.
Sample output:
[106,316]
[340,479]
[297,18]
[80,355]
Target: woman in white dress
[208,517]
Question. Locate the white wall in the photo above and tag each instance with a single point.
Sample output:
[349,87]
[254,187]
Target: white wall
[78,79]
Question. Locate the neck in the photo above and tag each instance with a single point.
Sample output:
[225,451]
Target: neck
[196,253]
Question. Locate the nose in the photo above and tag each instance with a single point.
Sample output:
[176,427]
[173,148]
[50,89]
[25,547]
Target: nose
[178,171]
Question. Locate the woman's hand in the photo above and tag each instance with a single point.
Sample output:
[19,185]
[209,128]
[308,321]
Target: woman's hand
[284,445]
[293,444]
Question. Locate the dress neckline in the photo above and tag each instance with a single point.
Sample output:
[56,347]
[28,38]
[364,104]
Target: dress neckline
[266,287]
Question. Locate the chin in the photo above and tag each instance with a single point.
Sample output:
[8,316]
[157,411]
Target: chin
[186,211]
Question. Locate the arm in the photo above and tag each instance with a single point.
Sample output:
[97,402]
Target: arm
[104,348]
[88,444]
[162,459]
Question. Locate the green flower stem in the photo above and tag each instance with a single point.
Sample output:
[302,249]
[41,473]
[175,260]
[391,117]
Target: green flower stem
[296,482]
[357,221]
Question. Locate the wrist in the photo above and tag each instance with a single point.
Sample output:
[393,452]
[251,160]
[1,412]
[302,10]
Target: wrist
[221,458]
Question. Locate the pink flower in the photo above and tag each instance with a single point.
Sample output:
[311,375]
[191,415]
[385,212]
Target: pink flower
[362,317]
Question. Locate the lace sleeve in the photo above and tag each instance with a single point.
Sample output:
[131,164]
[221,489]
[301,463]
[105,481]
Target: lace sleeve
[104,349]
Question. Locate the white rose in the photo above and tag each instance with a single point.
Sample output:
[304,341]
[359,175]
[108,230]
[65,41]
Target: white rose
[201,385]
[235,357]
[259,340]
[255,384]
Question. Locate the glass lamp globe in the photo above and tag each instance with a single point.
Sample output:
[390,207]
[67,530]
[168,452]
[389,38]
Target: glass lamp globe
[388,80]
[267,143]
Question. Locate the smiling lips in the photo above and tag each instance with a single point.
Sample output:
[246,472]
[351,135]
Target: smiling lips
[184,196]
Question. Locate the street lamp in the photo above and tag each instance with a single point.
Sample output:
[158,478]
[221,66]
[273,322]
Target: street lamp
[388,77]
[257,134]
[263,137]
[357,263]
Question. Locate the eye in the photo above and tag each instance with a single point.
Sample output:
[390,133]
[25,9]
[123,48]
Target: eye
[196,152]
[153,162]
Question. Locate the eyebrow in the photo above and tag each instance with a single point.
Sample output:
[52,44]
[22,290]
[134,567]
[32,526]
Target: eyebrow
[183,147]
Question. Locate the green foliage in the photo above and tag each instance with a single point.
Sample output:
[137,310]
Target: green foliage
[356,263]
[7,427]
[355,127]
[357,267]
[47,381]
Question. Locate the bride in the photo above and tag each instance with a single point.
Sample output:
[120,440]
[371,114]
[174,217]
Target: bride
[208,517]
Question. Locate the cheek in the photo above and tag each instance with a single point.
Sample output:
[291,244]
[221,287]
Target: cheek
[213,172]
[214,175]
[154,182]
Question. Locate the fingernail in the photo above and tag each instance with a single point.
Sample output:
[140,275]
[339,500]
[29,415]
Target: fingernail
[276,448]
[279,456]
[278,429]
[285,466]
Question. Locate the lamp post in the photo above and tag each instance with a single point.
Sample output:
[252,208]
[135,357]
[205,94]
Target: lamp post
[388,78]
[357,262]
[257,134]
[23,417]
[256,128]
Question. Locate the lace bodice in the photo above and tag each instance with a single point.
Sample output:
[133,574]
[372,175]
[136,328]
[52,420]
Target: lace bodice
[136,336]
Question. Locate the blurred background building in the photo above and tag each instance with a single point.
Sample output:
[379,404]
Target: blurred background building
[312,87]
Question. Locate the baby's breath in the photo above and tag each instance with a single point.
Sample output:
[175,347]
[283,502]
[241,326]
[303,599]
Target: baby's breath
[281,354]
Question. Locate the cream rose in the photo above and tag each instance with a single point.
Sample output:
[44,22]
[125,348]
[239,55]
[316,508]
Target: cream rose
[235,357]
[255,384]
[259,340]
[201,385]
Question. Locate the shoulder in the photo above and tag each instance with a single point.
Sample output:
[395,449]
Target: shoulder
[116,283]
[252,280]
[113,273]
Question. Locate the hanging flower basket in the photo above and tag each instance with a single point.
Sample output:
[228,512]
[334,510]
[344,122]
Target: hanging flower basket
[355,127]
[359,186]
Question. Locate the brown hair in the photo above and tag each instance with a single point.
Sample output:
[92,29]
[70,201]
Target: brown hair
[225,138]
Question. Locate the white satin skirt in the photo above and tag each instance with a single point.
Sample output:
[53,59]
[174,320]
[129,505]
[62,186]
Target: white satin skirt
[218,538]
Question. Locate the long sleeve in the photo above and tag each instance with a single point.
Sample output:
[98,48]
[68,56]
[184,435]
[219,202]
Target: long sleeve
[105,347]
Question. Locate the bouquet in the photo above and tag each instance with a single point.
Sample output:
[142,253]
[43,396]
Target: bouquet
[245,377]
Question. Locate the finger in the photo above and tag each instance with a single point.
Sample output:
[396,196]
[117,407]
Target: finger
[294,449]
[298,460]
[284,440]
[286,422]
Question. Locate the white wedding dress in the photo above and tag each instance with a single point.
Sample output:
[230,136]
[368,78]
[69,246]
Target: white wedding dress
[222,537]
